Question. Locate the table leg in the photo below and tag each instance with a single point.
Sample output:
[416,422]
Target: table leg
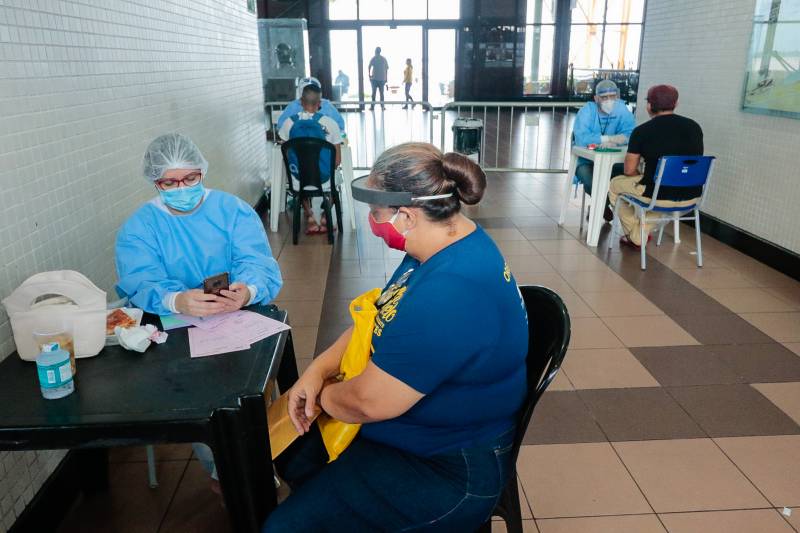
[276,173]
[244,464]
[573,163]
[601,176]
[287,371]
[676,230]
[93,468]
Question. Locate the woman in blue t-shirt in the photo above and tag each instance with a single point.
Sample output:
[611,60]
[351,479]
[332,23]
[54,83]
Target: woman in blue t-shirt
[439,398]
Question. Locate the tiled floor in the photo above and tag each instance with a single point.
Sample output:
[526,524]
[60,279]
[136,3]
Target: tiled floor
[677,407]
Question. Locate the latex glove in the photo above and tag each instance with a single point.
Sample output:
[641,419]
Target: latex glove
[618,139]
[605,139]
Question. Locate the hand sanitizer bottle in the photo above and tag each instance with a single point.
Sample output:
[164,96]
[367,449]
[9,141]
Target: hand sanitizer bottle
[55,372]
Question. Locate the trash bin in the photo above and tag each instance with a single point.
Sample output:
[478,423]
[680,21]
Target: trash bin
[467,134]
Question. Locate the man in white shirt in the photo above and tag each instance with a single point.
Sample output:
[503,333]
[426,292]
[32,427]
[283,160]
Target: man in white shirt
[311,123]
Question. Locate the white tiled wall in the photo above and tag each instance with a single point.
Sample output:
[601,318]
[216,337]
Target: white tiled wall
[701,48]
[84,86]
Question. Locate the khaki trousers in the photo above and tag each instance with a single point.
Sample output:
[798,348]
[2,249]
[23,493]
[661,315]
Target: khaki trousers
[627,214]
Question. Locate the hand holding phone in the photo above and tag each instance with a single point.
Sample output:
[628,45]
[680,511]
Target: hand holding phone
[216,284]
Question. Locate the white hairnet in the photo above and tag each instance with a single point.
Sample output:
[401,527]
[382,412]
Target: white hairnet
[606,87]
[171,151]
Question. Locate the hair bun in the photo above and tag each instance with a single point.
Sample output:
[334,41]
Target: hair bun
[468,176]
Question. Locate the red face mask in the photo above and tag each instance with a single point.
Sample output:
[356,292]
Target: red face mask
[386,231]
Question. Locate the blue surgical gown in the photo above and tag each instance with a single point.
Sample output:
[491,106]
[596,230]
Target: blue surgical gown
[158,253]
[590,123]
[326,109]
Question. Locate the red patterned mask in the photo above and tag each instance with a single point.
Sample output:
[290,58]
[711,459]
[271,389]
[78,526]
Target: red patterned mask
[386,231]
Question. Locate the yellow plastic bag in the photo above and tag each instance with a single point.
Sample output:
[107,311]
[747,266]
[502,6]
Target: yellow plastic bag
[337,435]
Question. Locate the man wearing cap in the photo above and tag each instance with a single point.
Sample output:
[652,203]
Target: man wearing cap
[295,107]
[606,122]
[664,134]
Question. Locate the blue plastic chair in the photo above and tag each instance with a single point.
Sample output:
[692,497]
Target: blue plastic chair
[672,171]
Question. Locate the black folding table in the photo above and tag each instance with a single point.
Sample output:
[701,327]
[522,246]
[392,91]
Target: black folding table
[127,398]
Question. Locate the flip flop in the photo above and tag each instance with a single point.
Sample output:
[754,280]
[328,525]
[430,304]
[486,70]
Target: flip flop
[314,228]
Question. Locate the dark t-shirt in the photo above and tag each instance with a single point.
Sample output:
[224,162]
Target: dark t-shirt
[380,68]
[666,135]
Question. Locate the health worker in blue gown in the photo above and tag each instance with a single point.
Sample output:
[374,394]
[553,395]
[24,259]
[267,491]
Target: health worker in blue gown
[188,233]
[606,122]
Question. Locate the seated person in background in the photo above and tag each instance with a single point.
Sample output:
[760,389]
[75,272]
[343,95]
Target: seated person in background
[310,122]
[664,134]
[188,233]
[185,234]
[326,107]
[439,398]
[605,122]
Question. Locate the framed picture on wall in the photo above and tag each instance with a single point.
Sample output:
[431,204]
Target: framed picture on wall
[772,79]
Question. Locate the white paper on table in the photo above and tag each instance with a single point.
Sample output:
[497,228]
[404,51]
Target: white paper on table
[250,327]
[203,343]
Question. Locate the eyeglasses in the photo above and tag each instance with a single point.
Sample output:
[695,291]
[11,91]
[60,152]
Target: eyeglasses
[172,183]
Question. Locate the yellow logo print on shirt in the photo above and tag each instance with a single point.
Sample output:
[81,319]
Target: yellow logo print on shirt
[388,311]
[506,273]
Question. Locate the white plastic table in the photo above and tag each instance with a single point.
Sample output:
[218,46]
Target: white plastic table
[278,185]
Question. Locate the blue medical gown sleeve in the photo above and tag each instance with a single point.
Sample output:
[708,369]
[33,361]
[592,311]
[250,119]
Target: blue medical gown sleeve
[252,261]
[586,129]
[140,268]
[293,108]
[328,109]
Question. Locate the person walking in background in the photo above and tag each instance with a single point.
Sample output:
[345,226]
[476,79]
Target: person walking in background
[378,70]
[343,81]
[408,77]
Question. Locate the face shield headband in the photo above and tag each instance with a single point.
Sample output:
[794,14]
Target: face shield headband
[365,194]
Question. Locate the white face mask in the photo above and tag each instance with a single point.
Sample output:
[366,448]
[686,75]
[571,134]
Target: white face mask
[607,106]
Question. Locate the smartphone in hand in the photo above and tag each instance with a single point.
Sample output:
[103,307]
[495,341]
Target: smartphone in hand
[215,284]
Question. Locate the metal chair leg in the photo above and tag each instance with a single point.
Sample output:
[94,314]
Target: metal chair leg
[643,243]
[660,234]
[152,480]
[697,238]
[614,224]
[583,205]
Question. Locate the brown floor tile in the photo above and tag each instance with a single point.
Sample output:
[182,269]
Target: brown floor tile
[771,463]
[300,269]
[785,395]
[590,333]
[567,480]
[793,346]
[534,222]
[794,518]
[689,301]
[687,475]
[563,246]
[783,327]
[647,523]
[733,411]
[551,280]
[516,248]
[576,306]
[561,417]
[495,222]
[620,303]
[714,278]
[528,526]
[721,329]
[528,263]
[686,365]
[575,262]
[649,331]
[326,336]
[302,290]
[336,312]
[302,312]
[130,505]
[639,414]
[788,294]
[302,364]
[195,509]
[355,268]
[764,276]
[597,281]
[505,234]
[606,368]
[549,232]
[750,300]
[305,341]
[760,363]
[163,452]
[561,382]
[748,521]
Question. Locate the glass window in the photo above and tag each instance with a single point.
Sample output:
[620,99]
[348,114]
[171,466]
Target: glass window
[443,9]
[625,11]
[538,66]
[344,65]
[540,11]
[342,9]
[621,46]
[410,9]
[375,9]
[441,66]
[585,41]
[588,11]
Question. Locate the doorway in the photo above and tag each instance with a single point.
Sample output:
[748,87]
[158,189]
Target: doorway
[397,44]
[441,71]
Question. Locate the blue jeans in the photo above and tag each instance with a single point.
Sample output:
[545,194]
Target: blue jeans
[585,169]
[374,487]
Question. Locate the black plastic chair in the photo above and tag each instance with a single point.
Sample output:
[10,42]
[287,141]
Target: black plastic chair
[308,150]
[549,325]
